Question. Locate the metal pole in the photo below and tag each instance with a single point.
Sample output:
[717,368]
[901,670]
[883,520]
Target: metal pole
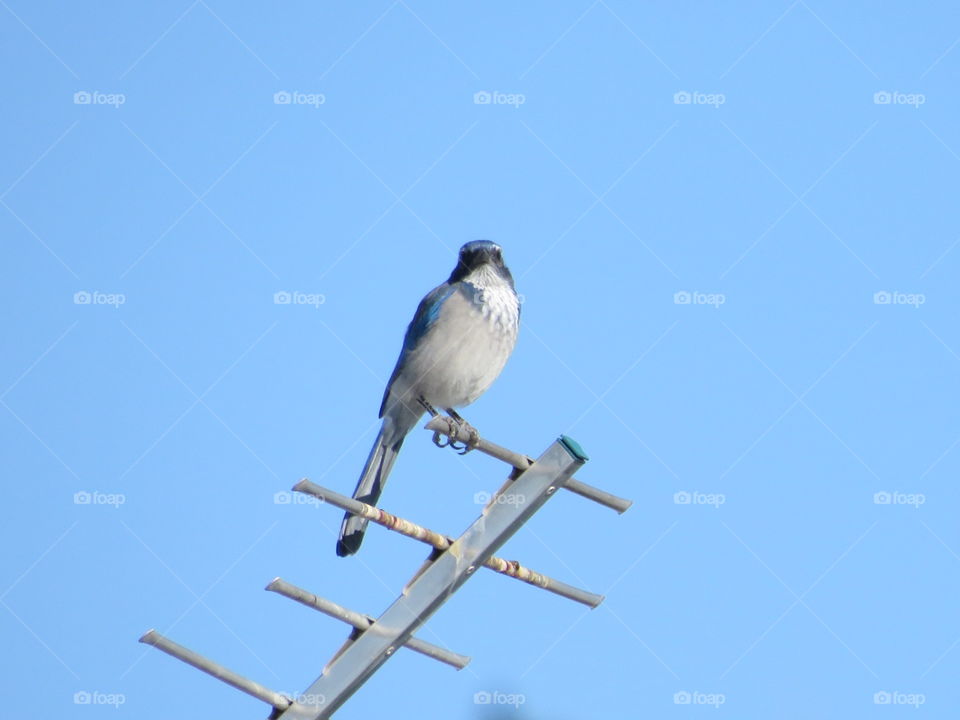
[362,622]
[511,568]
[445,426]
[434,585]
[280,702]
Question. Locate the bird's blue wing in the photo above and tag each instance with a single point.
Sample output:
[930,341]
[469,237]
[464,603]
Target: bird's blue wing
[427,313]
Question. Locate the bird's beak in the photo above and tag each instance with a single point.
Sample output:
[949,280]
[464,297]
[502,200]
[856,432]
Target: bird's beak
[489,256]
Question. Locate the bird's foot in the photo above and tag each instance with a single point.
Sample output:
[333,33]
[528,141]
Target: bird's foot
[463,437]
[441,440]
[468,444]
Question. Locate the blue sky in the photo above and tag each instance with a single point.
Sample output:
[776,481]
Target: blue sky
[735,230]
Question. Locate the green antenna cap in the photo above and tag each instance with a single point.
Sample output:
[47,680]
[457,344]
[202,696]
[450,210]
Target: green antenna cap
[573,447]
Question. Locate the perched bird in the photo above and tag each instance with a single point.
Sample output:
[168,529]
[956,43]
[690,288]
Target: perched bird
[455,347]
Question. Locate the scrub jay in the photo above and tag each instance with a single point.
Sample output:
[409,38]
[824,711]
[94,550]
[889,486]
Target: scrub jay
[455,347]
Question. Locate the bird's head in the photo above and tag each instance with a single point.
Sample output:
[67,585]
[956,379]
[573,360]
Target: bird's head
[478,256]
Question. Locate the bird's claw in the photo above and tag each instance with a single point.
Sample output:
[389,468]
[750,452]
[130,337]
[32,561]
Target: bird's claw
[469,443]
[458,428]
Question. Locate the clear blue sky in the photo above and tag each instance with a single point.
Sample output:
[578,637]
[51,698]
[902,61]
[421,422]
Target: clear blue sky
[791,167]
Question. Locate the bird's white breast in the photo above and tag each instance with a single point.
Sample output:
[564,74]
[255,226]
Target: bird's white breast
[468,345]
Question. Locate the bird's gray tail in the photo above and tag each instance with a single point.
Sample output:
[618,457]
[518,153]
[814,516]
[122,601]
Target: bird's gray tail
[369,487]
